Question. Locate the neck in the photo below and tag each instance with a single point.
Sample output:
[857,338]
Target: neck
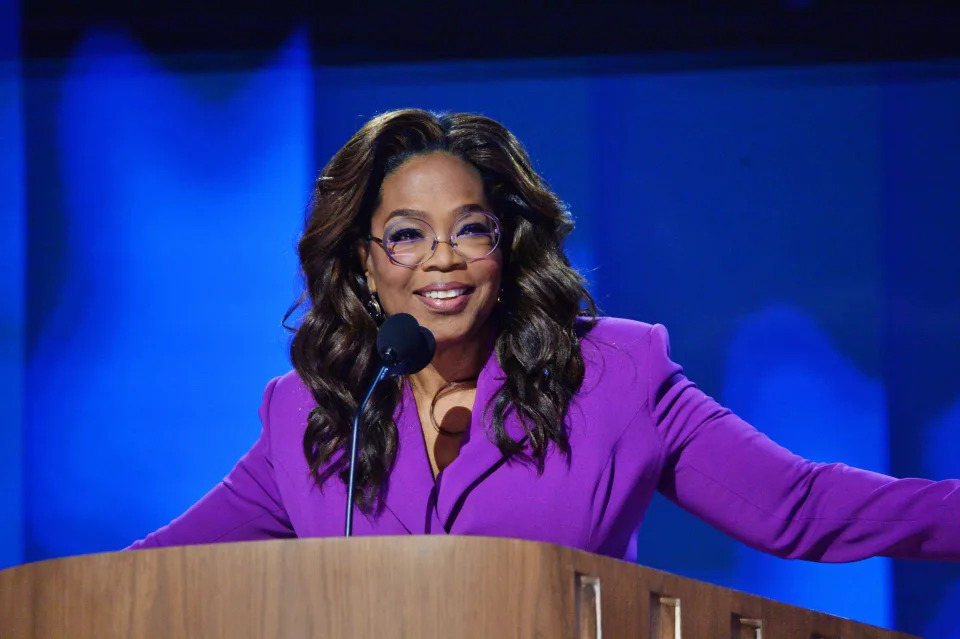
[452,363]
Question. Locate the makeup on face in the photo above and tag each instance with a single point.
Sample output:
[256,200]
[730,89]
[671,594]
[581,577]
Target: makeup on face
[437,256]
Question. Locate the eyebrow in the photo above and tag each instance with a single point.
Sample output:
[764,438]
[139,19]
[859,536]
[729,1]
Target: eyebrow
[422,214]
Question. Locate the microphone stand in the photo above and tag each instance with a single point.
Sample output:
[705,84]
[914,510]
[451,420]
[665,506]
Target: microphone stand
[348,529]
[405,347]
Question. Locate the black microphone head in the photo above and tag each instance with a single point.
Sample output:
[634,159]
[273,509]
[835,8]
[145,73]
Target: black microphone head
[423,355]
[404,346]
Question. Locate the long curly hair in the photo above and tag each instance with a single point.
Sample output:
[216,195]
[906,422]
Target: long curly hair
[544,301]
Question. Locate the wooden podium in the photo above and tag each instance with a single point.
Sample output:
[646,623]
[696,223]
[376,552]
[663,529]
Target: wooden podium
[385,587]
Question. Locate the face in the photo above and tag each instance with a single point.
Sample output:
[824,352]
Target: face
[448,294]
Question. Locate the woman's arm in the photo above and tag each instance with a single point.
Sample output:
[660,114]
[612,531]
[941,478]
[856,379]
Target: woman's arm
[245,506]
[724,471]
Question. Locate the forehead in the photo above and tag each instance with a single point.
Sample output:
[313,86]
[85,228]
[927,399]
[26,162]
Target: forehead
[436,184]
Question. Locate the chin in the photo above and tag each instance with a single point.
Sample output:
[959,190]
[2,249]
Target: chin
[446,335]
[454,330]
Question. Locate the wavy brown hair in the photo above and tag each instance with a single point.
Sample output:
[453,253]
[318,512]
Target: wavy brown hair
[543,300]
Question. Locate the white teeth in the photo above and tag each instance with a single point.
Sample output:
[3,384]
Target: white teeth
[445,295]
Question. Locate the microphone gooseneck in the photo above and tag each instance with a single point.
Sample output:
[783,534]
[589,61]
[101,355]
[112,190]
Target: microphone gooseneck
[404,348]
[348,525]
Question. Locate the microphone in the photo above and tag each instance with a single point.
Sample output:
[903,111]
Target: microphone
[405,348]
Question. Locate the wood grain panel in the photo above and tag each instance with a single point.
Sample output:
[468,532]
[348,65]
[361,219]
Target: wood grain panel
[379,587]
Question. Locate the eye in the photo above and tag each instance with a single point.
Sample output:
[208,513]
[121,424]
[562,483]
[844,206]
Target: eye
[474,228]
[404,235]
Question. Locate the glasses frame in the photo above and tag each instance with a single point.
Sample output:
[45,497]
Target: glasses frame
[437,241]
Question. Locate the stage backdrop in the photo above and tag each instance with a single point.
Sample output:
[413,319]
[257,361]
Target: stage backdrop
[794,228]
[12,268]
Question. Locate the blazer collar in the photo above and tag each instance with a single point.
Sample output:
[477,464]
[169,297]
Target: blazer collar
[411,494]
[479,455]
[427,506]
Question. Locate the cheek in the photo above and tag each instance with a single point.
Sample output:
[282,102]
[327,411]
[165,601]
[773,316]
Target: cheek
[489,273]
[390,278]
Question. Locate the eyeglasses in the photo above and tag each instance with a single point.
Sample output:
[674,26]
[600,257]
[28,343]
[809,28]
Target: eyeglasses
[411,241]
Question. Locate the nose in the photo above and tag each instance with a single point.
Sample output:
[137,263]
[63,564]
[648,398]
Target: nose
[444,258]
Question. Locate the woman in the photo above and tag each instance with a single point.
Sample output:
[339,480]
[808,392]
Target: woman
[535,419]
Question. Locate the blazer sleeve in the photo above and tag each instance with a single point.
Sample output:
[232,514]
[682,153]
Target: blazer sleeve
[721,469]
[245,506]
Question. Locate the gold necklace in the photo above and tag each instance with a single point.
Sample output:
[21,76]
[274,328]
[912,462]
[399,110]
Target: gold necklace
[450,433]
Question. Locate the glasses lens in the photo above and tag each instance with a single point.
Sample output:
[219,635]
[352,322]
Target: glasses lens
[408,240]
[476,234]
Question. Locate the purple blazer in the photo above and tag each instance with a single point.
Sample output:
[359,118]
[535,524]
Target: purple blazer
[637,425]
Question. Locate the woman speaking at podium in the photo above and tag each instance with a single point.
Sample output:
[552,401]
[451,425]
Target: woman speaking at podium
[535,419]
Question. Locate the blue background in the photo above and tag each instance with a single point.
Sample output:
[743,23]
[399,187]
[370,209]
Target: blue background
[795,228]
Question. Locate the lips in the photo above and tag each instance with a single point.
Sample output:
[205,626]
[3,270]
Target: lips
[444,295]
[444,288]
[448,297]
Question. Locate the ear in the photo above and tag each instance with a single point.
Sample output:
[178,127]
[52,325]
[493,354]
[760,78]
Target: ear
[366,263]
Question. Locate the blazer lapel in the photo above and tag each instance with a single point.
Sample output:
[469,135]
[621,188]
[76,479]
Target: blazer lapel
[411,494]
[479,455]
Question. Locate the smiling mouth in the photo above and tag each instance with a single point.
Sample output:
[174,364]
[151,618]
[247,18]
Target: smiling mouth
[446,295]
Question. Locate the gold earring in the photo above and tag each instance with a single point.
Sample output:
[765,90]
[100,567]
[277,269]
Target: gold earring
[374,308]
